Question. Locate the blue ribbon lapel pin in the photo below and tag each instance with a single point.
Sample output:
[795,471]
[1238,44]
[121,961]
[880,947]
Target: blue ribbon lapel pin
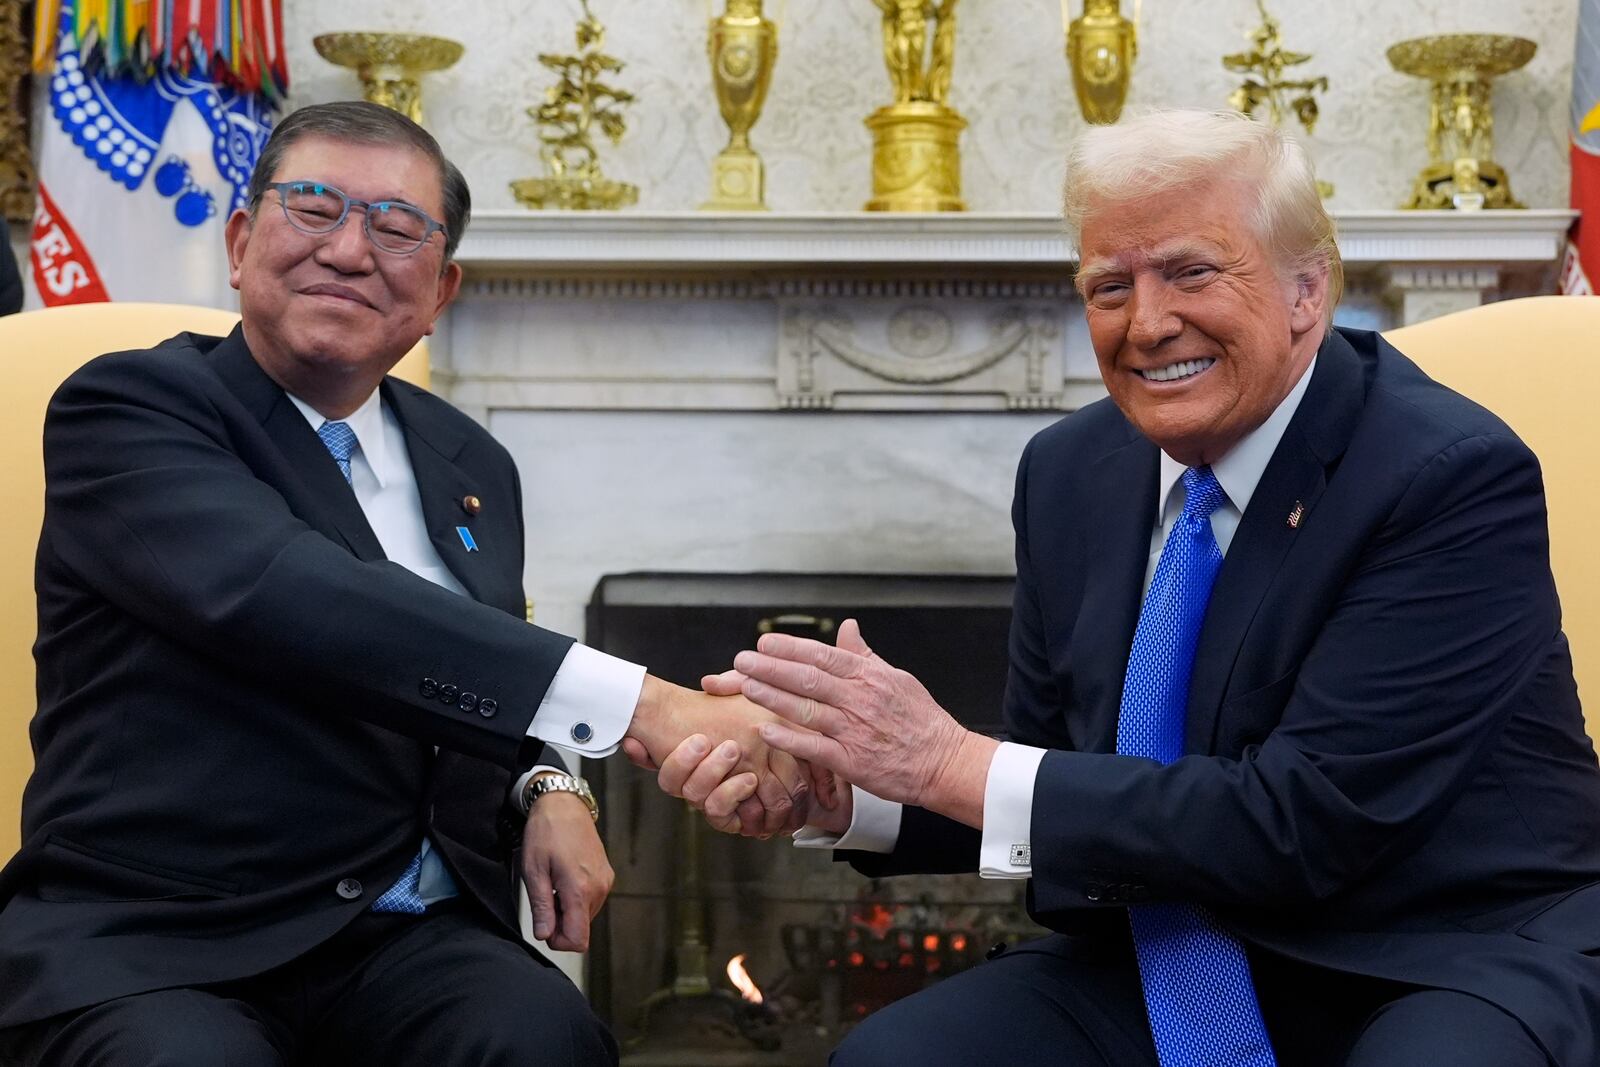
[466,539]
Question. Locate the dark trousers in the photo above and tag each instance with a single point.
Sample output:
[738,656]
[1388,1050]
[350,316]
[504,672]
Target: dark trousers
[446,988]
[1056,1003]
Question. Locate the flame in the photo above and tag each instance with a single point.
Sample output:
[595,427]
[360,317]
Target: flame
[741,980]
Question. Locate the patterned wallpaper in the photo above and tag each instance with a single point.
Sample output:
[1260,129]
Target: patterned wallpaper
[1011,82]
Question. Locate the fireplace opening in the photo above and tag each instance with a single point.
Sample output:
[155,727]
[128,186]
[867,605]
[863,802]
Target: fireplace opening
[699,921]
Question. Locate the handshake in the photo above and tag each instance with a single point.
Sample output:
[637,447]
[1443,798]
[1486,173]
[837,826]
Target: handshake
[776,743]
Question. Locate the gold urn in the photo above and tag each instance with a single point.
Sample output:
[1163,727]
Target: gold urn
[390,65]
[1101,46]
[1461,172]
[743,47]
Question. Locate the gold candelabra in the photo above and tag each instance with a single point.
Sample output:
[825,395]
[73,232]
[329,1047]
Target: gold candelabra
[390,65]
[1101,46]
[743,46]
[1461,172]
[577,106]
[916,152]
[1266,61]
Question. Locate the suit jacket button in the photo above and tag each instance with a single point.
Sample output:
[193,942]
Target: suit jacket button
[995,950]
[1094,893]
[430,688]
[448,694]
[487,707]
[348,888]
[468,701]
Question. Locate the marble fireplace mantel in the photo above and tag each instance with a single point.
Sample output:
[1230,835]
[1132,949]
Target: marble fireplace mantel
[867,311]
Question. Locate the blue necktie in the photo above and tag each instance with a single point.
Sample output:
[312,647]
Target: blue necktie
[340,441]
[1197,987]
[403,896]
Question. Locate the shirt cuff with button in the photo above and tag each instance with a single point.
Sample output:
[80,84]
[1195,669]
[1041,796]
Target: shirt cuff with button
[589,703]
[1007,849]
[874,826]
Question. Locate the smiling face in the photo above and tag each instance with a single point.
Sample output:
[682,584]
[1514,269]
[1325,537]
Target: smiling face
[327,315]
[1198,334]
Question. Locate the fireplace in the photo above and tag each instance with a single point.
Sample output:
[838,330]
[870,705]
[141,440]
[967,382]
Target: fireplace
[822,946]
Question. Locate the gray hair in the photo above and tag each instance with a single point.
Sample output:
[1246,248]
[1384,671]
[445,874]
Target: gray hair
[1167,149]
[360,122]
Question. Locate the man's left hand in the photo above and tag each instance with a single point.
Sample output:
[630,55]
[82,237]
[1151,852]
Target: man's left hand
[565,868]
[867,722]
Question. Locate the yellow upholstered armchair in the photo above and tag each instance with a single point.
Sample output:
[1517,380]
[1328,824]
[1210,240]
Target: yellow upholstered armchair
[38,349]
[1535,362]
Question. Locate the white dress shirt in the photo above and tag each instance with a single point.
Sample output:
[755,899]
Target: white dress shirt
[589,687]
[1007,846]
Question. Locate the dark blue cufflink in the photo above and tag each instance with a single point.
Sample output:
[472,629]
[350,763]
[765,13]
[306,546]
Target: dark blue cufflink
[582,732]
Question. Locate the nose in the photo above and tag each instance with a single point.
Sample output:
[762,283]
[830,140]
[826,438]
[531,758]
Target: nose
[1151,319]
[347,249]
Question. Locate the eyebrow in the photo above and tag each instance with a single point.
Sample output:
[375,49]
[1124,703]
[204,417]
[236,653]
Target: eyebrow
[1088,275]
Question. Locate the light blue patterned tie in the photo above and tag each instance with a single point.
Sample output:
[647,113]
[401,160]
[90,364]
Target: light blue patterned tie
[1197,987]
[403,896]
[340,441]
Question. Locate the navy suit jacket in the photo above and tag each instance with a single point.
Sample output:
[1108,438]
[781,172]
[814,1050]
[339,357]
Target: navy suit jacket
[239,698]
[1387,772]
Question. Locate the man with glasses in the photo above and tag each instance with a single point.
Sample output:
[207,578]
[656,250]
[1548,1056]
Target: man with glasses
[290,739]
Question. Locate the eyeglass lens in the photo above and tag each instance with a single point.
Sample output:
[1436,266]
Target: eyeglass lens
[393,227]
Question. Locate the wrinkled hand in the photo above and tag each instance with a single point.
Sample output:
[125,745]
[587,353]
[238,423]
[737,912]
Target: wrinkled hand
[707,778]
[565,868]
[870,723]
[668,714]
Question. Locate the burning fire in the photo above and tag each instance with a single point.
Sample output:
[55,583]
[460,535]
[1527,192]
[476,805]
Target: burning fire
[741,980]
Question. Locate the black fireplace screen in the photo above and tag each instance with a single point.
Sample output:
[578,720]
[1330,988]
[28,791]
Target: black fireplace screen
[695,912]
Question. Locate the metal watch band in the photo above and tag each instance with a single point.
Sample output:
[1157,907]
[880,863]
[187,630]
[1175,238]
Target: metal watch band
[559,783]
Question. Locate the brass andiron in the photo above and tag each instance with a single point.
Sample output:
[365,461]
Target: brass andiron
[1267,59]
[1461,172]
[390,65]
[1101,46]
[573,109]
[743,47]
[916,152]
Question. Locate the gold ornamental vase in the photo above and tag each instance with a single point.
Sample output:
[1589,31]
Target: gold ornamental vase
[390,65]
[743,47]
[1461,172]
[1101,46]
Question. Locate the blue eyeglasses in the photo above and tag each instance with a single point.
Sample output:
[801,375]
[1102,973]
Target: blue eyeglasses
[391,226]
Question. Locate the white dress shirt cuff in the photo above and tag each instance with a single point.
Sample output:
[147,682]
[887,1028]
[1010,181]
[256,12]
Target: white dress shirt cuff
[516,789]
[874,826]
[589,703]
[1007,850]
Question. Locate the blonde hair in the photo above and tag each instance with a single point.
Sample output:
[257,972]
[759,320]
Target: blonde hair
[1161,150]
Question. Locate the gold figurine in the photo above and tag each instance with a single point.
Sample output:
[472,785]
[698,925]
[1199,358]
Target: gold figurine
[916,154]
[1460,171]
[1101,46]
[573,108]
[390,65]
[744,48]
[1267,59]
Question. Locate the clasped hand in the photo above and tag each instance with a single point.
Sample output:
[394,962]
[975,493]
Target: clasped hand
[847,716]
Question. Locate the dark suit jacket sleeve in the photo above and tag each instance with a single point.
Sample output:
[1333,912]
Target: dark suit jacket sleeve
[150,505]
[10,277]
[1448,610]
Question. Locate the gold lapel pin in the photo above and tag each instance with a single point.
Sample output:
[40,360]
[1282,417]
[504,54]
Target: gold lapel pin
[471,504]
[1296,515]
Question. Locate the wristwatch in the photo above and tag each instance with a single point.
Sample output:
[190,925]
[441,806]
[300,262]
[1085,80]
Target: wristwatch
[559,783]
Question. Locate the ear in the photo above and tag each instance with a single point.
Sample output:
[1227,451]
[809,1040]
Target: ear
[236,235]
[1310,306]
[449,286]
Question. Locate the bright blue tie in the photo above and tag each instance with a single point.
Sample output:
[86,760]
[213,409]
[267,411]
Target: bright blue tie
[403,896]
[1197,988]
[340,441]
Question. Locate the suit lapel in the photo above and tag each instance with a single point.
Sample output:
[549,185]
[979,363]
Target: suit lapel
[442,486]
[1123,484]
[332,501]
[1294,481]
